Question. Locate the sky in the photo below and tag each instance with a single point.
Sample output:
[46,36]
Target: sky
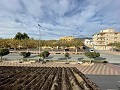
[57,18]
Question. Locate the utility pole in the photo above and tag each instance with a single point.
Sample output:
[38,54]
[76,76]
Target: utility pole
[39,43]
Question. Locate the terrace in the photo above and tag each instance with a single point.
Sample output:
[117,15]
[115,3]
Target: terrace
[44,78]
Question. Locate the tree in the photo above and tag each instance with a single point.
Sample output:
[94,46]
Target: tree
[25,36]
[67,55]
[20,36]
[4,43]
[3,52]
[25,54]
[14,43]
[92,55]
[116,45]
[44,54]
[77,43]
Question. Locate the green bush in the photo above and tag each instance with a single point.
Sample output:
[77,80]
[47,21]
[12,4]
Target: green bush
[44,54]
[67,55]
[28,54]
[3,52]
[25,54]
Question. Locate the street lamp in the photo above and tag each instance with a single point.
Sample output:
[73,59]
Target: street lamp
[39,43]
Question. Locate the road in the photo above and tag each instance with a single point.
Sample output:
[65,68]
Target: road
[110,56]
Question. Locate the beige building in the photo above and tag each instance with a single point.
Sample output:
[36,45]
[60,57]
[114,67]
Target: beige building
[67,38]
[102,39]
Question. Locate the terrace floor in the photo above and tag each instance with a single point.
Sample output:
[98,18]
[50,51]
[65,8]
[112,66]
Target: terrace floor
[86,68]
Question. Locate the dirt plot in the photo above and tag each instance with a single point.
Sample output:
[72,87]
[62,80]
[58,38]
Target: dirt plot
[44,78]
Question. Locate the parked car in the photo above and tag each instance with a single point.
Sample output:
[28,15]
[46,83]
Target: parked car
[66,49]
[91,50]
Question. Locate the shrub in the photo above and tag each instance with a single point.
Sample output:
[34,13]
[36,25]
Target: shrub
[28,54]
[25,54]
[44,54]
[3,52]
[67,55]
[104,61]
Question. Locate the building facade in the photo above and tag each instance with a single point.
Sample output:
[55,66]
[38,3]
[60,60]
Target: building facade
[102,39]
[88,42]
[67,38]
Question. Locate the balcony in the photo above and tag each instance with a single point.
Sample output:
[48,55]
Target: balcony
[99,40]
[101,44]
[101,36]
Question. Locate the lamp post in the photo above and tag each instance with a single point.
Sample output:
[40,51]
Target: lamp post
[39,43]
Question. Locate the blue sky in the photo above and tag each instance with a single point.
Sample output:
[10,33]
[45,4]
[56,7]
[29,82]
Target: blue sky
[79,18]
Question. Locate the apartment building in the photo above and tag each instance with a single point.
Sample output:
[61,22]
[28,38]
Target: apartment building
[102,39]
[67,38]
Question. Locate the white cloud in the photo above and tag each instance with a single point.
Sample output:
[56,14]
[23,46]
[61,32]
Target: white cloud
[58,17]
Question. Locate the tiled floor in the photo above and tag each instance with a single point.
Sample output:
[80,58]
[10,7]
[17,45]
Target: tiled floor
[92,69]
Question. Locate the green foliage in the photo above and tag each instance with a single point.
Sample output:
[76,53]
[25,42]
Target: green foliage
[25,36]
[116,45]
[24,41]
[25,54]
[92,54]
[20,36]
[3,52]
[44,54]
[77,43]
[67,54]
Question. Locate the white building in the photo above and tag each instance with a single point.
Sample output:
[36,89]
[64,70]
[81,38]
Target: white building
[88,42]
[102,39]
